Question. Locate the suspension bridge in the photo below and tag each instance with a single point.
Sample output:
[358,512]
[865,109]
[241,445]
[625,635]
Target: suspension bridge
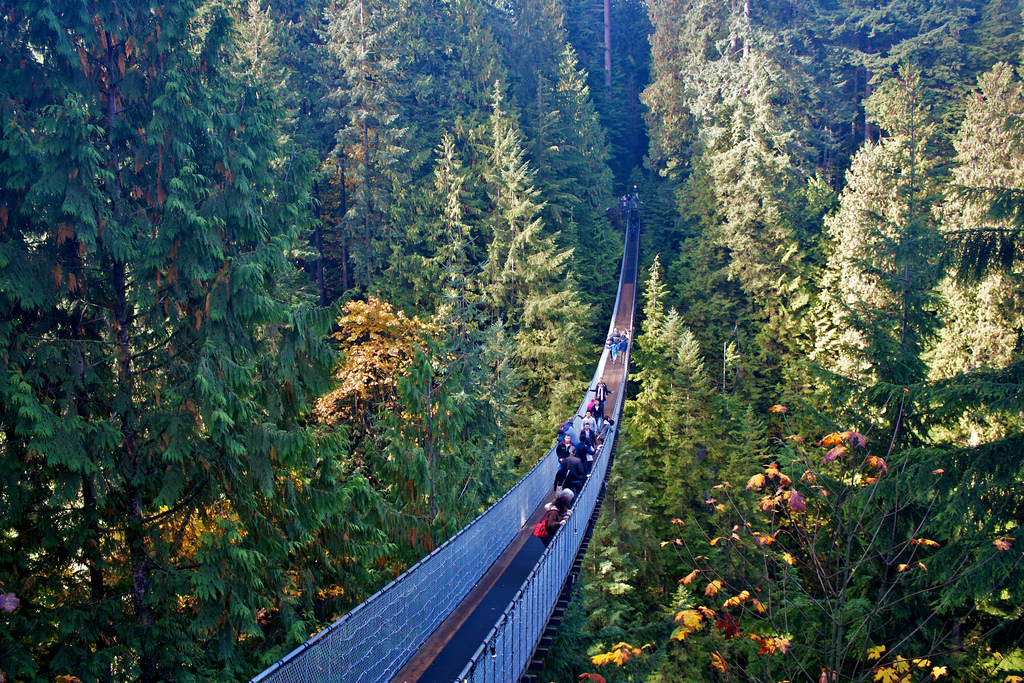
[484,606]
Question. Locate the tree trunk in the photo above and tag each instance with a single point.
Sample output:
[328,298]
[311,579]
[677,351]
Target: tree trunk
[344,210]
[431,456]
[135,534]
[867,94]
[608,48]
[746,29]
[318,238]
[367,202]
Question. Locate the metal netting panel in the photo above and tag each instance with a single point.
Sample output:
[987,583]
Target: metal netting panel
[373,641]
[506,652]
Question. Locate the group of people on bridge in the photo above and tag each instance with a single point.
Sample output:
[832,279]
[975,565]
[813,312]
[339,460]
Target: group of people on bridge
[628,205]
[576,452]
[617,344]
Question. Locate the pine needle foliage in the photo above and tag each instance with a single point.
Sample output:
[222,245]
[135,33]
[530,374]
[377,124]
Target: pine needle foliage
[160,358]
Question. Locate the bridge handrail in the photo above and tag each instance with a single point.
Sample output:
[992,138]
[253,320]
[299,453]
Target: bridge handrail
[417,601]
[508,647]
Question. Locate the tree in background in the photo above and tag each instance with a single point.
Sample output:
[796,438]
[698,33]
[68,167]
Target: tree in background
[370,136]
[982,318]
[161,357]
[879,287]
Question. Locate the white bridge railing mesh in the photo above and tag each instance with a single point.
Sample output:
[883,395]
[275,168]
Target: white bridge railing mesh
[377,638]
[373,641]
[508,648]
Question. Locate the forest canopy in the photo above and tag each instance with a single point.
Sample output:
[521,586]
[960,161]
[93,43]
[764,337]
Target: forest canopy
[291,290]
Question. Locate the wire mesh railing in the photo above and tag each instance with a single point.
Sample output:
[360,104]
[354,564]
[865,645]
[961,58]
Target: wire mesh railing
[371,643]
[508,648]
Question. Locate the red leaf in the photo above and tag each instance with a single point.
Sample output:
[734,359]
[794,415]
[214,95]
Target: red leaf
[727,625]
[797,502]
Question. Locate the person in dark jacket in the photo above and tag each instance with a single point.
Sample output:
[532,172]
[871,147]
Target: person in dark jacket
[556,513]
[586,454]
[601,395]
[574,472]
[588,435]
[562,450]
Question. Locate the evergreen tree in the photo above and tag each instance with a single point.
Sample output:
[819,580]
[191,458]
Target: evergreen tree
[982,318]
[165,501]
[989,150]
[879,285]
[370,136]
[525,274]
[570,155]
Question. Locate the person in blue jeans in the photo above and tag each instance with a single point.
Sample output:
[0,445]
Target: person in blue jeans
[624,345]
[613,343]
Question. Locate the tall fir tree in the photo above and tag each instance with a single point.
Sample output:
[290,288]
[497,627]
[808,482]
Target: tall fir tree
[164,495]
[881,277]
[370,135]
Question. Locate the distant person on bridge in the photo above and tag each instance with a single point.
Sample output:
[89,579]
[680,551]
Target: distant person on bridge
[624,345]
[571,473]
[613,343]
[589,421]
[588,446]
[563,447]
[567,428]
[602,434]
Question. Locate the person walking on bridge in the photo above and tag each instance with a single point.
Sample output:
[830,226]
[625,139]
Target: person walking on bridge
[556,513]
[589,422]
[601,394]
[613,343]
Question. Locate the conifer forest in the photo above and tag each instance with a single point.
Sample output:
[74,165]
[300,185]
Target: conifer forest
[292,290]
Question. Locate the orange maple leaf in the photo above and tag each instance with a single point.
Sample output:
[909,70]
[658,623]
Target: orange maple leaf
[713,588]
[856,438]
[718,663]
[875,461]
[1002,543]
[830,440]
[688,579]
[778,409]
[834,454]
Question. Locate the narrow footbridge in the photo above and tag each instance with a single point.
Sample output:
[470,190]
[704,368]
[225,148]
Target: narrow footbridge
[482,607]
